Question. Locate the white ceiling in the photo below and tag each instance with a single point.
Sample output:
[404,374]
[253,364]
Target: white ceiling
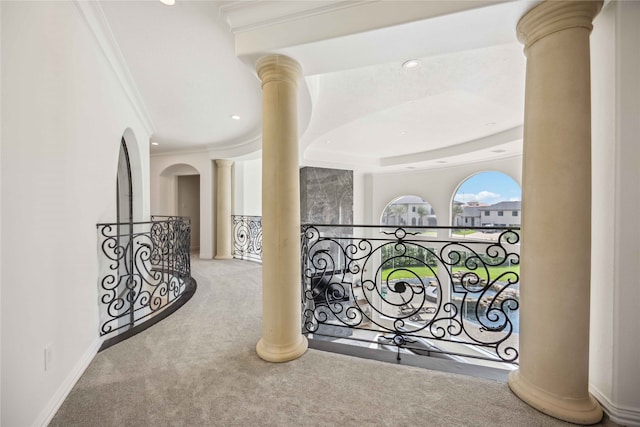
[183,61]
[359,108]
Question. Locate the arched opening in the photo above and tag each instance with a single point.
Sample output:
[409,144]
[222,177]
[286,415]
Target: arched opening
[146,274]
[129,142]
[124,187]
[189,205]
[124,221]
[182,182]
[486,199]
[409,210]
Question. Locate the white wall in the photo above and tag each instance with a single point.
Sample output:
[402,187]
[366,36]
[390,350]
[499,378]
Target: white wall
[63,113]
[250,192]
[615,294]
[603,199]
[436,186]
[0,225]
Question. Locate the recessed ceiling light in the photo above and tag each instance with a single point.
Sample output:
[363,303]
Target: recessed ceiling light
[328,141]
[490,124]
[155,143]
[499,151]
[411,63]
[235,117]
[404,132]
[168,2]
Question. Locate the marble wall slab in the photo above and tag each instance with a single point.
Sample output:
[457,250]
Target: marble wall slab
[326,196]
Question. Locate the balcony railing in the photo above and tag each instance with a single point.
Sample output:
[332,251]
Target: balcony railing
[145,272]
[247,237]
[434,291]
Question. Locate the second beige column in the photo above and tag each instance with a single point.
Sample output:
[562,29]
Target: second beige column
[556,235]
[223,209]
[281,312]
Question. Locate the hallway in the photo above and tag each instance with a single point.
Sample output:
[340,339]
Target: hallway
[199,368]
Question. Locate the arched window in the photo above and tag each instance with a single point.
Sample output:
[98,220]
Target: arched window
[487,199]
[409,210]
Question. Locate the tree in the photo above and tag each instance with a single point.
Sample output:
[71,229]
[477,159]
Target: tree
[422,211]
[458,210]
[399,211]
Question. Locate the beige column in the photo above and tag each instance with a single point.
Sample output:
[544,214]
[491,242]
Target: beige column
[556,236]
[281,313]
[223,209]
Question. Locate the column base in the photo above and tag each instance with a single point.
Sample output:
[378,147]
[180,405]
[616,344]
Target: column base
[223,257]
[275,353]
[578,411]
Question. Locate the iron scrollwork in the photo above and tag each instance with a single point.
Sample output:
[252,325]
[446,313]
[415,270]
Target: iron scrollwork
[145,267]
[247,237]
[413,289]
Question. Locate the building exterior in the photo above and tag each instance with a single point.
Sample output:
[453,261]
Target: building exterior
[68,99]
[409,210]
[470,217]
[503,214]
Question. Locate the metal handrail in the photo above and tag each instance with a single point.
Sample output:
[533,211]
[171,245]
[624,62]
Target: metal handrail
[416,291]
[145,268]
[247,237]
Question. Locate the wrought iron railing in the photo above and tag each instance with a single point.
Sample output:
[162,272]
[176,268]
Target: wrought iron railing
[247,237]
[145,267]
[414,290]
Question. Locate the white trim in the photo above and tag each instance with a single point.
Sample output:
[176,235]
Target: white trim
[180,152]
[242,16]
[623,415]
[94,16]
[47,414]
[506,136]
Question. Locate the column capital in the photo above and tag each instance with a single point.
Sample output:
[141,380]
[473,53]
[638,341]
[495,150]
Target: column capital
[224,163]
[278,68]
[552,16]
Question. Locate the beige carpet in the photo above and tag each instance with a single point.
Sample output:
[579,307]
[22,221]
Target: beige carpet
[199,368]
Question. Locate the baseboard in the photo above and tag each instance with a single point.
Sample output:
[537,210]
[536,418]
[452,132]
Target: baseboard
[625,416]
[426,362]
[65,388]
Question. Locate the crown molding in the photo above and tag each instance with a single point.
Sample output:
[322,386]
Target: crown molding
[244,16]
[483,143]
[97,22]
[178,153]
[231,149]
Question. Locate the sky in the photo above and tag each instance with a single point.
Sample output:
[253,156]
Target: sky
[489,188]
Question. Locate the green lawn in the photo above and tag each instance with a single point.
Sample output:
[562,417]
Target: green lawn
[424,272]
[462,232]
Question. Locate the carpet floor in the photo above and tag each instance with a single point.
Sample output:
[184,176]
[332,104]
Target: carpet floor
[199,368]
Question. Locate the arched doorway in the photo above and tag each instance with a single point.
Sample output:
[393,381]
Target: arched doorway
[189,205]
[180,187]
